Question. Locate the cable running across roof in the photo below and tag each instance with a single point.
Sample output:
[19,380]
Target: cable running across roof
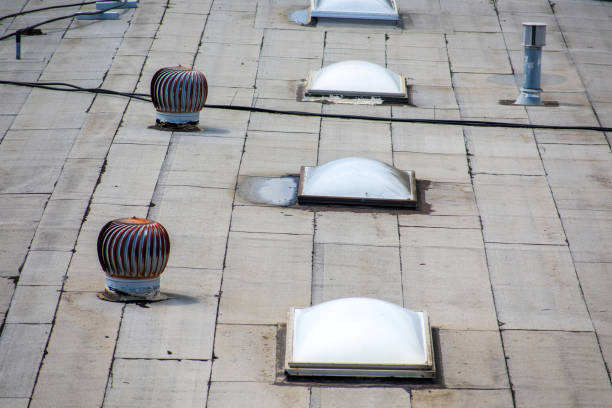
[51,20]
[21,13]
[458,122]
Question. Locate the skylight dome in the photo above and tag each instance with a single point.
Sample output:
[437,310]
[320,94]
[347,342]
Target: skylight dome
[357,180]
[356,79]
[361,9]
[359,337]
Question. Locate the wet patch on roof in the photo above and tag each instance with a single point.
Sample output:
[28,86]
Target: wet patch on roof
[299,16]
[281,191]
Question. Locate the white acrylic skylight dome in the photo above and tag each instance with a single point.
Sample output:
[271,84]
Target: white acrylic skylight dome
[357,9]
[359,337]
[357,180]
[356,79]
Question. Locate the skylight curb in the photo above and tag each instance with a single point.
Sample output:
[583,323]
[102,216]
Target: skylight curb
[356,79]
[318,12]
[387,197]
[425,370]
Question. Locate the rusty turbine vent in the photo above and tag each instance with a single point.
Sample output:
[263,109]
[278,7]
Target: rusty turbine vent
[178,94]
[133,253]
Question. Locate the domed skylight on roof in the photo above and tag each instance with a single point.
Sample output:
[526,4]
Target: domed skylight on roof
[356,79]
[357,180]
[359,337]
[361,9]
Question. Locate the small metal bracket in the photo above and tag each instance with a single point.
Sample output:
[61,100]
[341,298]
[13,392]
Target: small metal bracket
[104,5]
[18,45]
[107,15]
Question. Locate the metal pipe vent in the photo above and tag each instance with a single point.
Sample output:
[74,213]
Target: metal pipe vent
[534,38]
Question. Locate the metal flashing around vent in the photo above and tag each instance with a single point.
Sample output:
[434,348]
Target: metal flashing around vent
[357,79]
[355,9]
[357,180]
[359,337]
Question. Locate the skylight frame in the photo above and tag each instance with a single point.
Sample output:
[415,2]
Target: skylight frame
[310,369]
[344,14]
[400,96]
[411,202]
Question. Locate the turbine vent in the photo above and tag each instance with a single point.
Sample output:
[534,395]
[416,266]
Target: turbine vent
[178,94]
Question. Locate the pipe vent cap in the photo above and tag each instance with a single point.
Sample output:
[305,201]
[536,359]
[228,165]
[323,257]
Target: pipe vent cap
[534,34]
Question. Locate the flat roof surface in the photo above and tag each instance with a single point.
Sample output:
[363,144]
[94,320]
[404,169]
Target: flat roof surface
[510,252]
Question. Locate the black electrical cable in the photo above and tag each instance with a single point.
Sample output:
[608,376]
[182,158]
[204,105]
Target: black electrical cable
[21,13]
[459,122]
[61,86]
[51,20]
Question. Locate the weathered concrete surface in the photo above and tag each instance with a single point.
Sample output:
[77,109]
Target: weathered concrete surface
[127,181]
[356,228]
[263,295]
[33,304]
[341,138]
[157,383]
[504,151]
[588,233]
[15,402]
[21,350]
[517,209]
[596,281]
[245,353]
[529,300]
[361,398]
[79,354]
[477,353]
[413,137]
[428,254]
[22,213]
[202,161]
[278,153]
[251,394]
[512,232]
[341,271]
[7,288]
[199,236]
[160,331]
[60,225]
[272,220]
[553,369]
[461,398]
[447,198]
[31,160]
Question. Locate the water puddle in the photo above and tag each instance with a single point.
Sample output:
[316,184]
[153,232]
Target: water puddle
[280,191]
[300,17]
